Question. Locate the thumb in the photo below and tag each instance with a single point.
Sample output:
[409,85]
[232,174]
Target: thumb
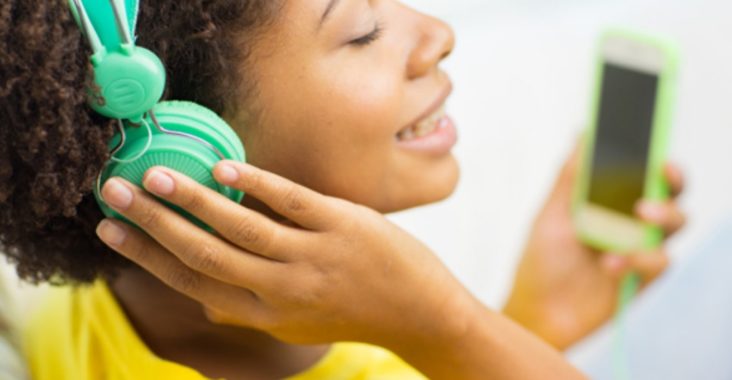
[561,194]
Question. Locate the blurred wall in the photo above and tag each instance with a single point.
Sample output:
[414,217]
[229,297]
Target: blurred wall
[523,75]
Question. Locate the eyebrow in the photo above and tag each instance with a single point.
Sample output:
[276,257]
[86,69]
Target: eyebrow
[328,10]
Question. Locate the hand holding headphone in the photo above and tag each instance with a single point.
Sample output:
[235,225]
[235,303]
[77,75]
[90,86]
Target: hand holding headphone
[128,85]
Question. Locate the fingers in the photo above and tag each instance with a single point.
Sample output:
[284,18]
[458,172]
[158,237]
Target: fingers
[151,256]
[196,248]
[675,179]
[245,228]
[649,265]
[667,215]
[560,198]
[569,170]
[297,203]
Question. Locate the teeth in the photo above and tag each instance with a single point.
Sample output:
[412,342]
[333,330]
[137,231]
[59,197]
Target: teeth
[424,127]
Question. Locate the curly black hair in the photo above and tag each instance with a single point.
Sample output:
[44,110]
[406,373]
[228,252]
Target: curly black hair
[52,146]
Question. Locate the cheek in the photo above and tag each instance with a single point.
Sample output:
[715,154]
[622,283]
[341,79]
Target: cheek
[331,130]
[332,127]
[360,106]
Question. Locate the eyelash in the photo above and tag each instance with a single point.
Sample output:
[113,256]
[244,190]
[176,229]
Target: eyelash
[369,38]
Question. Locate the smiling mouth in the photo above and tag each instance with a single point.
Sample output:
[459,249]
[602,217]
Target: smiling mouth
[431,121]
[424,127]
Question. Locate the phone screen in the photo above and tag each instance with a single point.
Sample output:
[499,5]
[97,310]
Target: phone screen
[623,136]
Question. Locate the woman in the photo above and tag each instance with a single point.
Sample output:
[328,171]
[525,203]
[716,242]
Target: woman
[342,98]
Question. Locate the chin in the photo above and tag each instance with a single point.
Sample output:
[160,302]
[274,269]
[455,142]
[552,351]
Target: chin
[439,185]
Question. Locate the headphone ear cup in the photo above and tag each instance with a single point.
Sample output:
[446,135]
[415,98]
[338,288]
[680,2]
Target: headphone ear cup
[182,154]
[129,83]
[209,125]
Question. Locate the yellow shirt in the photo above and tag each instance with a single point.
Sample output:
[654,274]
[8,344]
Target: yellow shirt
[83,334]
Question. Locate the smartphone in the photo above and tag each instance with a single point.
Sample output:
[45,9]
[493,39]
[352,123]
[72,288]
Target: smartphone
[624,150]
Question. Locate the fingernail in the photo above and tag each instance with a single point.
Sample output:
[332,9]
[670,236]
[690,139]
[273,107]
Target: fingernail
[227,174]
[116,194]
[159,183]
[110,233]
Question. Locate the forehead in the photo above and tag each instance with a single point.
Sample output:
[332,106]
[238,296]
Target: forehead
[308,13]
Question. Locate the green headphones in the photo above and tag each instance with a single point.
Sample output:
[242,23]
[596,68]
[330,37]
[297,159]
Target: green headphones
[129,83]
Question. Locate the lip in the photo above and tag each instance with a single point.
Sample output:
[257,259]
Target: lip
[436,144]
[439,142]
[433,107]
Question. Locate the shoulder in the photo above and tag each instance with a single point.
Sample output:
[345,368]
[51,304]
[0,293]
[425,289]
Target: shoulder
[52,331]
[360,361]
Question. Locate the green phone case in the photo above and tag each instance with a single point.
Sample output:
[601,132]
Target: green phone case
[656,187]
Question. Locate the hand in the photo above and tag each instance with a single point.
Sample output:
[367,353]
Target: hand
[334,272]
[564,290]
[337,272]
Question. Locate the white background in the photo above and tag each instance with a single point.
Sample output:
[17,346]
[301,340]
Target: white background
[523,73]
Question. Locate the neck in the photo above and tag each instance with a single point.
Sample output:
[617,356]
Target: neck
[175,328]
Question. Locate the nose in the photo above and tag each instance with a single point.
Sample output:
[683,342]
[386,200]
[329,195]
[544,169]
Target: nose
[435,42]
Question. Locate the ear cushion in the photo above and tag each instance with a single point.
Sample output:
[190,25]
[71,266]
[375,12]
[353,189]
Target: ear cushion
[179,153]
[208,124]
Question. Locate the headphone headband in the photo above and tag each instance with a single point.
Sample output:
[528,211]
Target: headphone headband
[111,23]
[129,80]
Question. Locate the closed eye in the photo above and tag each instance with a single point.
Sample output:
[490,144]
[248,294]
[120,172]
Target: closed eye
[369,38]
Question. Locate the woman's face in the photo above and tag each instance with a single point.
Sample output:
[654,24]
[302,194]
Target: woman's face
[349,101]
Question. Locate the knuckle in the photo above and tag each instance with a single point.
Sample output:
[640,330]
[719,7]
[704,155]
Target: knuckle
[193,201]
[292,200]
[310,292]
[245,231]
[204,258]
[317,292]
[185,281]
[149,216]
[136,249]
